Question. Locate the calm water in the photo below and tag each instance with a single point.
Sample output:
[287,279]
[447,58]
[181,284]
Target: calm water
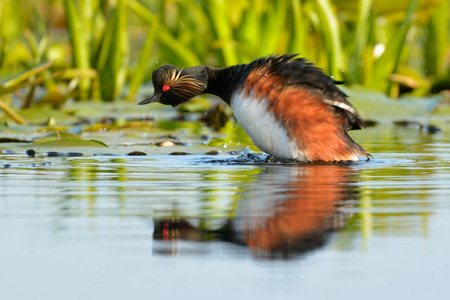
[219,227]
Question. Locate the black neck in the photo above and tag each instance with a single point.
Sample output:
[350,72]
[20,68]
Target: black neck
[223,82]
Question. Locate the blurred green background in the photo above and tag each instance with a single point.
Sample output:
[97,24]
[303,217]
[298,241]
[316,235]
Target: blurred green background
[107,49]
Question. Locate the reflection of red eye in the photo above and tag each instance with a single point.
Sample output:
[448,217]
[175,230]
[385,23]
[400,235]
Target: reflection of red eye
[166,88]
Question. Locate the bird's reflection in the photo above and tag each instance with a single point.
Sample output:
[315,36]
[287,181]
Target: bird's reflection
[287,210]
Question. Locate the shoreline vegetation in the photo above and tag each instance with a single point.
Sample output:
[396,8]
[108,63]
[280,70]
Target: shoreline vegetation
[55,50]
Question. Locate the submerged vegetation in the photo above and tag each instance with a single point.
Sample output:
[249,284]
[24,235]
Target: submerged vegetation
[55,50]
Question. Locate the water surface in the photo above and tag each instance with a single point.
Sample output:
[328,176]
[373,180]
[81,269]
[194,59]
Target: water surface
[226,227]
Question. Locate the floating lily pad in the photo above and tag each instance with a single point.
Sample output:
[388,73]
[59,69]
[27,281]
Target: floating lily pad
[41,115]
[99,127]
[375,105]
[71,143]
[119,109]
[59,135]
[52,128]
[67,140]
[136,125]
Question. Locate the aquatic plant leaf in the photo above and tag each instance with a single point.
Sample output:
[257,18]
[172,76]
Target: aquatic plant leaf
[99,127]
[217,117]
[199,104]
[64,139]
[40,115]
[60,135]
[376,105]
[136,125]
[69,142]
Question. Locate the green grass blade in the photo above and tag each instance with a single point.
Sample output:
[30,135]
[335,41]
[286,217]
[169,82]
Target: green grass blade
[273,28]
[438,41]
[113,53]
[361,36]
[331,33]
[250,31]
[224,32]
[388,62]
[198,34]
[14,83]
[79,42]
[11,113]
[31,42]
[164,36]
[298,36]
[139,73]
[11,23]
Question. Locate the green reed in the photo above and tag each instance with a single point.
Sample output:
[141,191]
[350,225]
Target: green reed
[79,29]
[389,61]
[116,44]
[438,41]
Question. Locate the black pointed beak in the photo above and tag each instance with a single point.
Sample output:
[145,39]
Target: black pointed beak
[152,99]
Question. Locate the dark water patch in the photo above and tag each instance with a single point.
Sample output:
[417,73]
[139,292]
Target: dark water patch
[212,152]
[30,152]
[370,123]
[179,153]
[137,153]
[13,140]
[426,128]
[58,154]
[27,166]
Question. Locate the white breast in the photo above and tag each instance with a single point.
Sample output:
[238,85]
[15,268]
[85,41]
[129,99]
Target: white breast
[267,133]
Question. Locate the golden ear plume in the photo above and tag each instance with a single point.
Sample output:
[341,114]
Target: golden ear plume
[184,86]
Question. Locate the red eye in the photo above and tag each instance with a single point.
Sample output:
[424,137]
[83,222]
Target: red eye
[166,88]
